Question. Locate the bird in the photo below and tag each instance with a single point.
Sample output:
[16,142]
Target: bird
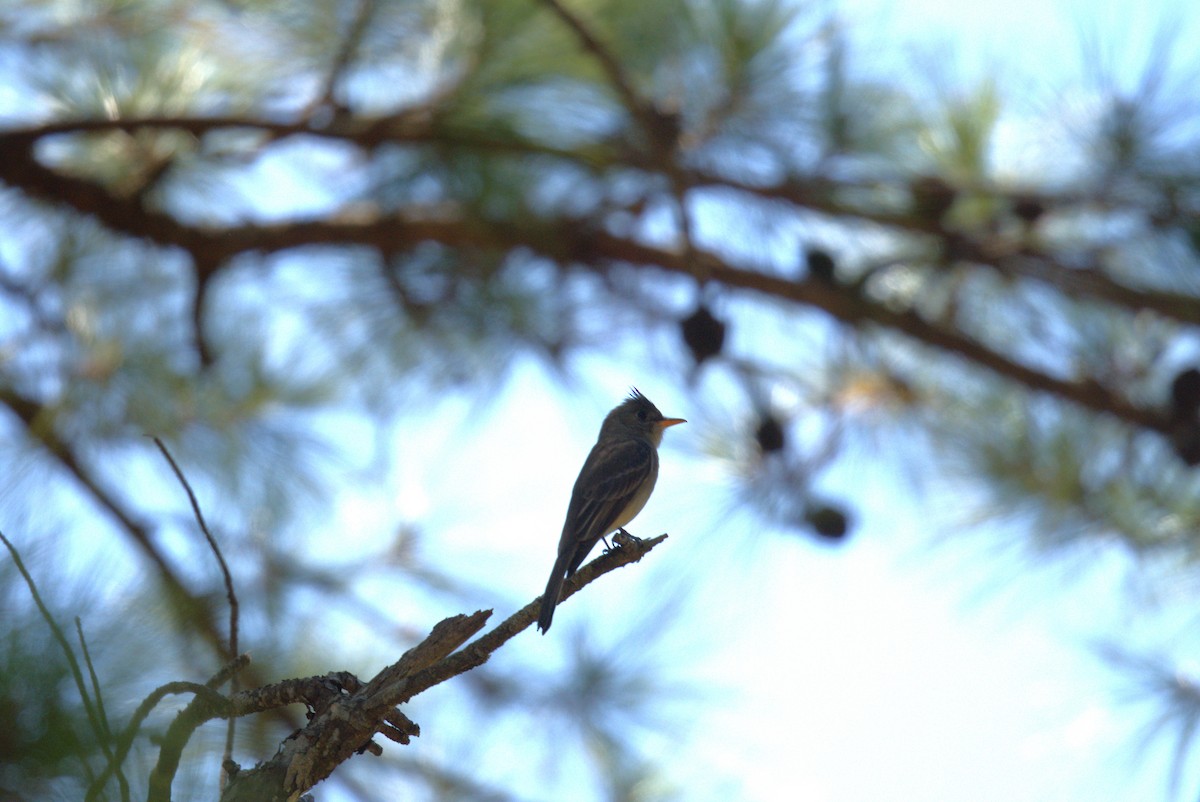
[614,484]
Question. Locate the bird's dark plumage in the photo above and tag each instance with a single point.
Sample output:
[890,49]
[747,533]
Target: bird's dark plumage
[613,486]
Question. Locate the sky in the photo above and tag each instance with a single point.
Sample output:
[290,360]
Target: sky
[886,668]
[881,669]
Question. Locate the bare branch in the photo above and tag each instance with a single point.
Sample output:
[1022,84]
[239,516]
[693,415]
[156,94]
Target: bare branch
[230,594]
[477,652]
[205,705]
[344,723]
[342,58]
[29,412]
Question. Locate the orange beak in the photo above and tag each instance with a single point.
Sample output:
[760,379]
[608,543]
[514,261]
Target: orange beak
[665,422]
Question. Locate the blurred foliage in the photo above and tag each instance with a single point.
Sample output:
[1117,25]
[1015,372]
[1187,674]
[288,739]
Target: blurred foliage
[262,219]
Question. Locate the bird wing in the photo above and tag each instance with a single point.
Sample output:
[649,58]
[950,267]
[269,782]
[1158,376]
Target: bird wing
[611,477]
[615,470]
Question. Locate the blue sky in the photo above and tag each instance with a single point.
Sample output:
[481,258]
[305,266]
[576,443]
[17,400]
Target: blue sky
[889,668]
[885,669]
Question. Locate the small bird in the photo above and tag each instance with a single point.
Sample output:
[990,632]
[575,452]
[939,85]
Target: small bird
[613,486]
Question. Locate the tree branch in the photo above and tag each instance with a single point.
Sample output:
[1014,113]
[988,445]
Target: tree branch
[477,652]
[854,309]
[342,58]
[205,705]
[230,593]
[612,68]
[30,413]
[577,240]
[343,723]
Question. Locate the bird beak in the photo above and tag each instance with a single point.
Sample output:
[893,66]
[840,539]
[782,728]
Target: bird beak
[665,422]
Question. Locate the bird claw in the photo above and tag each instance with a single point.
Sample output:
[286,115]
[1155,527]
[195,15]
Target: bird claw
[623,538]
[620,538]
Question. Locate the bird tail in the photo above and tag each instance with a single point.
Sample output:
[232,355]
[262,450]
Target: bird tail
[553,588]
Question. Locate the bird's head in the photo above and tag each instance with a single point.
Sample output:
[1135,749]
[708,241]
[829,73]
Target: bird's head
[637,416]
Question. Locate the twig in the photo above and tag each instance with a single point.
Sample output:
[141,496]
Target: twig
[29,410]
[204,273]
[228,671]
[205,705]
[103,715]
[87,659]
[341,60]
[477,652]
[230,594]
[608,62]
[347,722]
[125,742]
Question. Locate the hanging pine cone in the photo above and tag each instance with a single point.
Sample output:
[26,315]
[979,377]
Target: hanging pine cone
[703,334]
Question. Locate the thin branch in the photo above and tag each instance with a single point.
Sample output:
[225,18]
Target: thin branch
[228,671]
[230,594]
[107,736]
[478,651]
[345,723]
[205,705]
[204,274]
[342,58]
[105,732]
[608,62]
[414,126]
[29,412]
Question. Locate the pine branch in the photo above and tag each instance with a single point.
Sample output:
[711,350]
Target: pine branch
[345,720]
[579,241]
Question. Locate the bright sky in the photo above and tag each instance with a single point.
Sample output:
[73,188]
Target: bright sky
[876,671]
[882,670]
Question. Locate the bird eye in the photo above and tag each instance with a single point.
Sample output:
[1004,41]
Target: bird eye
[641,414]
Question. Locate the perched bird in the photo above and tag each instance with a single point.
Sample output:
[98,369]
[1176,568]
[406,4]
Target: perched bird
[613,486]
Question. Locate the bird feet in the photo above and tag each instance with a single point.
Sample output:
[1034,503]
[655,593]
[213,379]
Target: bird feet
[620,538]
